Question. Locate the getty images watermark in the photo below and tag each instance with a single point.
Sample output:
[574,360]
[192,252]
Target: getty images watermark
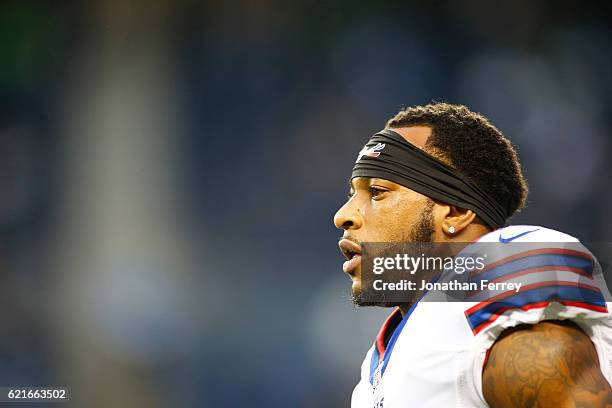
[477,272]
[412,264]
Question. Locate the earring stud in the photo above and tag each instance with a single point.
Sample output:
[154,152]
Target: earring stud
[451,230]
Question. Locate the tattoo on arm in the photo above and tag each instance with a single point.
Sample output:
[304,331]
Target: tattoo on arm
[550,364]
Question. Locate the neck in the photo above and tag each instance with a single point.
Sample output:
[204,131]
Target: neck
[404,308]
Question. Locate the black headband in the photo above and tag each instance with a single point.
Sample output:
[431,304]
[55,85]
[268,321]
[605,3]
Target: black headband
[389,156]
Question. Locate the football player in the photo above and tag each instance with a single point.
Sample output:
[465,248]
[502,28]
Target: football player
[442,173]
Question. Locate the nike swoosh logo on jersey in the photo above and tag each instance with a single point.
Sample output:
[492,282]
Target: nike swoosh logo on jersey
[506,240]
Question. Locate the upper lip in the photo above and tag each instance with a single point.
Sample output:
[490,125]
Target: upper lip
[349,248]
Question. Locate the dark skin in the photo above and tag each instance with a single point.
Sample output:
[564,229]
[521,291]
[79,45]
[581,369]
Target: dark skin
[379,210]
[549,364]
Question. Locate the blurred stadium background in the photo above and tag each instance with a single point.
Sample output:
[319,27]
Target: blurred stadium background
[169,172]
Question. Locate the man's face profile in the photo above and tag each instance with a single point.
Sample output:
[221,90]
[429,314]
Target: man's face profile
[379,210]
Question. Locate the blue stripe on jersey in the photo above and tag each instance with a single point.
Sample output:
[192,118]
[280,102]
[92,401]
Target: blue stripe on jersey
[535,261]
[557,292]
[389,349]
[373,363]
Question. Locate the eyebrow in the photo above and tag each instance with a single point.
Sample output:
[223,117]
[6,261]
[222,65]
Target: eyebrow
[351,182]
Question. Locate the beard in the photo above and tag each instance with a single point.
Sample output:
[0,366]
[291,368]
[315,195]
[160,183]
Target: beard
[424,229]
[422,232]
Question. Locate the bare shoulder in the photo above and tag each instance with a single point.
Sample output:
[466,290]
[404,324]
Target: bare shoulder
[549,364]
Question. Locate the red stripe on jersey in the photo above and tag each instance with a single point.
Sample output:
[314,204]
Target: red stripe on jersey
[380,338]
[539,305]
[552,251]
[524,289]
[528,271]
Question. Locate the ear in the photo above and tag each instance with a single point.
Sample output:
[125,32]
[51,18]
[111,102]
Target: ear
[455,219]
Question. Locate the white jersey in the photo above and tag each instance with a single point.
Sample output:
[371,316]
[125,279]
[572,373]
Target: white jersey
[436,354]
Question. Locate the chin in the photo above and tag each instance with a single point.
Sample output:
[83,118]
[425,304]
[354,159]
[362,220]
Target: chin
[356,295]
[360,299]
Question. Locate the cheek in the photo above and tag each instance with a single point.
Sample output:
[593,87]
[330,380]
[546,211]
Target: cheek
[392,221]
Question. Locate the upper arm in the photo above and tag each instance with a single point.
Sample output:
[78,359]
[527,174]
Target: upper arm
[549,364]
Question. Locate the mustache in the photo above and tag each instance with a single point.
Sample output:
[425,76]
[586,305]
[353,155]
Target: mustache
[349,238]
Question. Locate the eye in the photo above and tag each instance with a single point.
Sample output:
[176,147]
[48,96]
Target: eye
[377,192]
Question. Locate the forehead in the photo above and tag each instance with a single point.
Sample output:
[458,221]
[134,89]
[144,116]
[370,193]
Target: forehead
[416,135]
[365,182]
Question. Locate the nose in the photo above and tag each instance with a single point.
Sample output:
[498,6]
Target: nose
[348,217]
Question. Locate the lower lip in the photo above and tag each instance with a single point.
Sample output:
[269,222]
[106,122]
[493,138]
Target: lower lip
[352,264]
